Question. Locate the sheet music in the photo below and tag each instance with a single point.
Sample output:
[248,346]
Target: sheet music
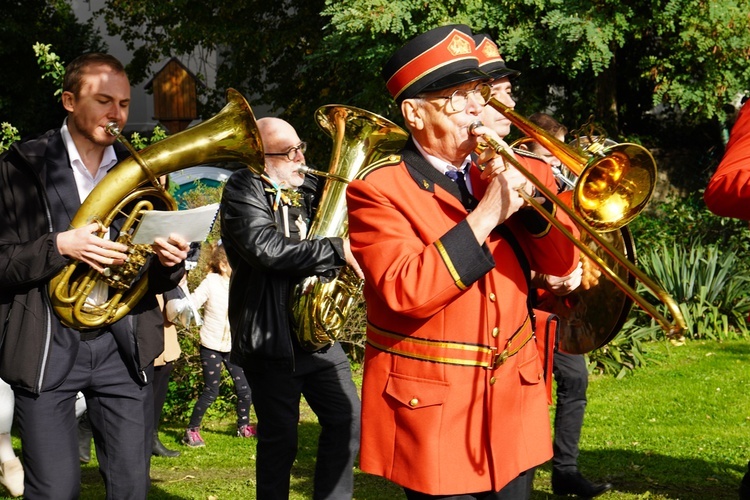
[193,224]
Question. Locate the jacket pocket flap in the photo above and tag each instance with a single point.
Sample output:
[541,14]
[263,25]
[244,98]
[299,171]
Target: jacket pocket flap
[531,371]
[416,392]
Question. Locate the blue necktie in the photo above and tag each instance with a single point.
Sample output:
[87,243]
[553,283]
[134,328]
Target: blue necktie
[457,176]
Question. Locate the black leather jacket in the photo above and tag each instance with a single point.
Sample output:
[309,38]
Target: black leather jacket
[265,267]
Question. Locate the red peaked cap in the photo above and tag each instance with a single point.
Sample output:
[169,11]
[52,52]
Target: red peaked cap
[437,59]
[490,60]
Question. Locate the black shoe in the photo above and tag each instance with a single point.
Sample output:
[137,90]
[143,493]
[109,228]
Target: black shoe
[745,485]
[160,450]
[573,483]
[744,491]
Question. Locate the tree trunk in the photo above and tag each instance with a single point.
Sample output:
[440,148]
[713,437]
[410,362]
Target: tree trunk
[606,99]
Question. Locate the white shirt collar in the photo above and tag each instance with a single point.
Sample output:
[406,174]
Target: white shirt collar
[84,180]
[441,165]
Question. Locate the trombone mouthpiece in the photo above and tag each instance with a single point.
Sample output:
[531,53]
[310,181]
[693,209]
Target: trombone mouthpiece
[304,169]
[475,125]
[112,129]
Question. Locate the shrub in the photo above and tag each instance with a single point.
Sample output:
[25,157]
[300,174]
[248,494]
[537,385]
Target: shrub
[625,353]
[8,135]
[711,289]
[708,285]
[682,220]
[694,255]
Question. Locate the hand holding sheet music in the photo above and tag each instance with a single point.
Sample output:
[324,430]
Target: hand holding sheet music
[192,225]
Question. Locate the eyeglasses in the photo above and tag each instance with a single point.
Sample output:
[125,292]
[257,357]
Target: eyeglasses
[291,153]
[460,98]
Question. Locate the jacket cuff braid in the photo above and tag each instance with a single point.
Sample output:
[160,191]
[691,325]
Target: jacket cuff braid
[464,258]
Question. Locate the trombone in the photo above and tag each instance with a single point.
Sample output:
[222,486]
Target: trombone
[613,186]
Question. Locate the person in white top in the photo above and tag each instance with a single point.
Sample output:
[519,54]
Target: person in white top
[216,343]
[11,470]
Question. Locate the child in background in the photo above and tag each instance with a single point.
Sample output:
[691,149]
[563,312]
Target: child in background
[216,343]
[11,470]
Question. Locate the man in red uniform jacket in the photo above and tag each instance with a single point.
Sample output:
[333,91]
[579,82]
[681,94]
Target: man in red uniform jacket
[728,191]
[728,195]
[453,401]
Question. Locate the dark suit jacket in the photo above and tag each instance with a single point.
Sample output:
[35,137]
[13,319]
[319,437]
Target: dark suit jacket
[38,199]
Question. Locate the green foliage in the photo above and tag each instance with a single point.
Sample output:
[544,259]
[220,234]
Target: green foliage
[614,60]
[139,142]
[700,261]
[610,59]
[712,294]
[703,59]
[626,352]
[711,288]
[51,64]
[681,220]
[8,135]
[48,61]
[27,99]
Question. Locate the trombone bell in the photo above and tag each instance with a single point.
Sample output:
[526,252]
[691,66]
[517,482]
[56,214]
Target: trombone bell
[613,189]
[613,185]
[599,183]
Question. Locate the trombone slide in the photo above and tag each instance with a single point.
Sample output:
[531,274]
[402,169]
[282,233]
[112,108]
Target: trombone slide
[672,330]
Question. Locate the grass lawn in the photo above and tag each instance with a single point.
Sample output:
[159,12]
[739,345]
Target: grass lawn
[677,429]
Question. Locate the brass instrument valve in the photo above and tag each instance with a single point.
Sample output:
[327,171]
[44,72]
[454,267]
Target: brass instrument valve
[123,276]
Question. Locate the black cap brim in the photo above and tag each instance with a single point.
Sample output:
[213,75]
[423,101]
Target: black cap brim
[503,73]
[455,79]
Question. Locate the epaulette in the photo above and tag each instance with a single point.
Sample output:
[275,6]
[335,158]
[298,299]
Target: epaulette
[386,161]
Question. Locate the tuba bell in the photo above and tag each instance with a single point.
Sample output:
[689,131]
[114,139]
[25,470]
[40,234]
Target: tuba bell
[230,135]
[320,309]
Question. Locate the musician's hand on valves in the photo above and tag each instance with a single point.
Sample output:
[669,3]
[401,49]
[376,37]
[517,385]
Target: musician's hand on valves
[171,251]
[563,285]
[85,245]
[351,261]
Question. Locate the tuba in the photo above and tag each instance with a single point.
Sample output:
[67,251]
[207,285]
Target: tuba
[230,135]
[320,309]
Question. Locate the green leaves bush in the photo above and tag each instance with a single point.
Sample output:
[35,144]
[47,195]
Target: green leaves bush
[625,353]
[708,285]
[700,261]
